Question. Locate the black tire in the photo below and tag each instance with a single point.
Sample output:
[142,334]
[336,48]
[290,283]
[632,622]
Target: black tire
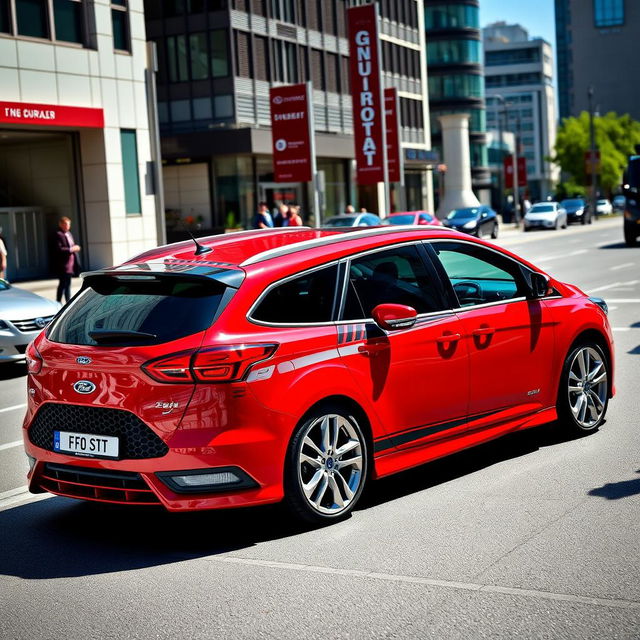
[318,507]
[494,233]
[630,237]
[572,419]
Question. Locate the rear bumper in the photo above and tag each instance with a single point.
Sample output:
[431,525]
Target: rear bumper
[256,451]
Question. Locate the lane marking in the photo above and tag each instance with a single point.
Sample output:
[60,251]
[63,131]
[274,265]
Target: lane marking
[431,582]
[620,328]
[15,407]
[20,495]
[625,300]
[10,445]
[615,285]
[622,266]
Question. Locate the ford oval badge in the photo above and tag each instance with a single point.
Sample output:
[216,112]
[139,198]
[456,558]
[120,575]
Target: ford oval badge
[84,386]
[83,360]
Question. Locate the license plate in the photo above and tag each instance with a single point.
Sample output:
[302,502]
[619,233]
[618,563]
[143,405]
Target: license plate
[84,444]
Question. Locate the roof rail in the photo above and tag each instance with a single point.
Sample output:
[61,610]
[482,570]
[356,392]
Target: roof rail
[326,240]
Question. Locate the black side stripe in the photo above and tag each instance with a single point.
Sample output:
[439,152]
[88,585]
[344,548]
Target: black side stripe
[399,439]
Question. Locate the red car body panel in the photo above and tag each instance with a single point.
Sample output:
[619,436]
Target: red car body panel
[505,361]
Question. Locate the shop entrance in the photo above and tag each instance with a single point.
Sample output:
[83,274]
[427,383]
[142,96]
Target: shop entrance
[38,185]
[275,193]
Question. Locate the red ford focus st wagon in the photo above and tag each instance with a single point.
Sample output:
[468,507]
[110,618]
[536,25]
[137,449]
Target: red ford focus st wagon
[299,364]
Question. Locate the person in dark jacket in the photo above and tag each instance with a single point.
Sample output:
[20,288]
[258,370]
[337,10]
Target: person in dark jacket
[66,260]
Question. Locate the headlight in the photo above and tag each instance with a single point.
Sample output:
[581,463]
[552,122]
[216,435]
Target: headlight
[601,303]
[470,225]
[579,212]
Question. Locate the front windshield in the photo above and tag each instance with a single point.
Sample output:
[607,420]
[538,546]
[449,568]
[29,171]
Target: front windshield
[339,222]
[408,219]
[573,203]
[541,208]
[469,212]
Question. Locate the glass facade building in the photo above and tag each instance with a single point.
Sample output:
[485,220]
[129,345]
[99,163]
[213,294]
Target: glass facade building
[456,80]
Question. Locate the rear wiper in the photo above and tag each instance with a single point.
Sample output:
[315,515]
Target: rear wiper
[105,335]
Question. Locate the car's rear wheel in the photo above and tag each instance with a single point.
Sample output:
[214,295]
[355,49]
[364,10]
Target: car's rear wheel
[583,395]
[326,467]
[494,233]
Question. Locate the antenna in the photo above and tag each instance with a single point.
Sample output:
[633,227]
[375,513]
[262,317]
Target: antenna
[200,248]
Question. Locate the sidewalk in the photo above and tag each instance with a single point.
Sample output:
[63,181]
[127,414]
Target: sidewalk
[47,288]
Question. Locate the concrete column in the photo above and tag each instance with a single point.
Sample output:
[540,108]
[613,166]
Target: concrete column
[457,181]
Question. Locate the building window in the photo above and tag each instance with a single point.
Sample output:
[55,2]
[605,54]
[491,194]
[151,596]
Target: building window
[608,13]
[130,171]
[31,16]
[68,20]
[455,86]
[525,55]
[243,54]
[177,55]
[286,67]
[283,10]
[447,16]
[458,51]
[199,56]
[261,53]
[219,55]
[120,25]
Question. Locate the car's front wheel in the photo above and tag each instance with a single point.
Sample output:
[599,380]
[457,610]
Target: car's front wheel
[326,466]
[494,233]
[583,395]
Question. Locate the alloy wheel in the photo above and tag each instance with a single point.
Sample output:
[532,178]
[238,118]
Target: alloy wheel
[587,387]
[331,464]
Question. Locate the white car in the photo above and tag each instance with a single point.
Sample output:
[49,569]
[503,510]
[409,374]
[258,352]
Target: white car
[23,315]
[604,207]
[545,215]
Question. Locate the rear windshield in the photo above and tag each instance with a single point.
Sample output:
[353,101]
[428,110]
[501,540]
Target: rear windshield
[542,208]
[408,219]
[128,311]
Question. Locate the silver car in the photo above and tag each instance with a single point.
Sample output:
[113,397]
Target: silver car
[23,315]
[545,215]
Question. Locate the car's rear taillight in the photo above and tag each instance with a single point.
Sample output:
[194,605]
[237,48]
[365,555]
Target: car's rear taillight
[34,359]
[212,364]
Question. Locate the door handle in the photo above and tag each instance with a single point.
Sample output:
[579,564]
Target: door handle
[371,349]
[484,331]
[448,337]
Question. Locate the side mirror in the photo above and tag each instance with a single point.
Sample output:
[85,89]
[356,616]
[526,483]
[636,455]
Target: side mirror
[484,214]
[391,317]
[538,286]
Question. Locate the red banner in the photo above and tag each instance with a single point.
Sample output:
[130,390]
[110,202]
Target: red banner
[392,123]
[291,131]
[51,115]
[366,93]
[508,172]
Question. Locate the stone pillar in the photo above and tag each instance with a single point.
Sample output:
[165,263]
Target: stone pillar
[457,180]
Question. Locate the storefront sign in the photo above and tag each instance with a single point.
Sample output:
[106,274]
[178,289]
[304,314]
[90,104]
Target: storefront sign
[391,115]
[291,131]
[366,92]
[51,115]
[508,172]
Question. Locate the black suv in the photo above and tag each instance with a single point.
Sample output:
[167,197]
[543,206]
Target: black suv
[577,210]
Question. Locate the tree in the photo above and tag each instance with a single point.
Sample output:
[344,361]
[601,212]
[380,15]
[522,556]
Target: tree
[616,137]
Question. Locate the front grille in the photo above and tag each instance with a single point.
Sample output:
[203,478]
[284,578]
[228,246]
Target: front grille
[122,487]
[34,324]
[137,440]
[21,348]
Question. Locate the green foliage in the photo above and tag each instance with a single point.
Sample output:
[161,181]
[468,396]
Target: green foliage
[570,189]
[231,220]
[616,137]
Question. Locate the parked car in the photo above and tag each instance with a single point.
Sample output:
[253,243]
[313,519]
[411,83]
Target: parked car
[604,207]
[23,315]
[353,220]
[618,203]
[413,217]
[545,215]
[577,210]
[478,221]
[282,366]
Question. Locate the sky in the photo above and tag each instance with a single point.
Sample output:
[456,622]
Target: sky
[537,17]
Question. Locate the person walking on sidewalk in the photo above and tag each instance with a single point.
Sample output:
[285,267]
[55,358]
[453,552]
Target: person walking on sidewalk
[3,257]
[67,262]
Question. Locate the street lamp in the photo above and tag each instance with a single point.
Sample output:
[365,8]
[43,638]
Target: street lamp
[592,155]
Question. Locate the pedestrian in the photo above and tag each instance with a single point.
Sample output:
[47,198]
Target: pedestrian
[282,216]
[263,218]
[3,257]
[350,209]
[294,219]
[67,262]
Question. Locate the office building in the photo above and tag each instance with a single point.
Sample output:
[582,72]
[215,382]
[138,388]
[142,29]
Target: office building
[456,83]
[218,60]
[520,98]
[597,44]
[74,131]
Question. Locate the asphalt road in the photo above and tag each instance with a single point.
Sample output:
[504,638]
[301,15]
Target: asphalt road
[529,536]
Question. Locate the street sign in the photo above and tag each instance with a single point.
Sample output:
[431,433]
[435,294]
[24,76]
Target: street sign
[392,123]
[508,172]
[366,93]
[291,132]
[587,161]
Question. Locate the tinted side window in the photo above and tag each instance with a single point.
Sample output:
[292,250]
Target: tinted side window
[398,276]
[163,308]
[308,298]
[479,276]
